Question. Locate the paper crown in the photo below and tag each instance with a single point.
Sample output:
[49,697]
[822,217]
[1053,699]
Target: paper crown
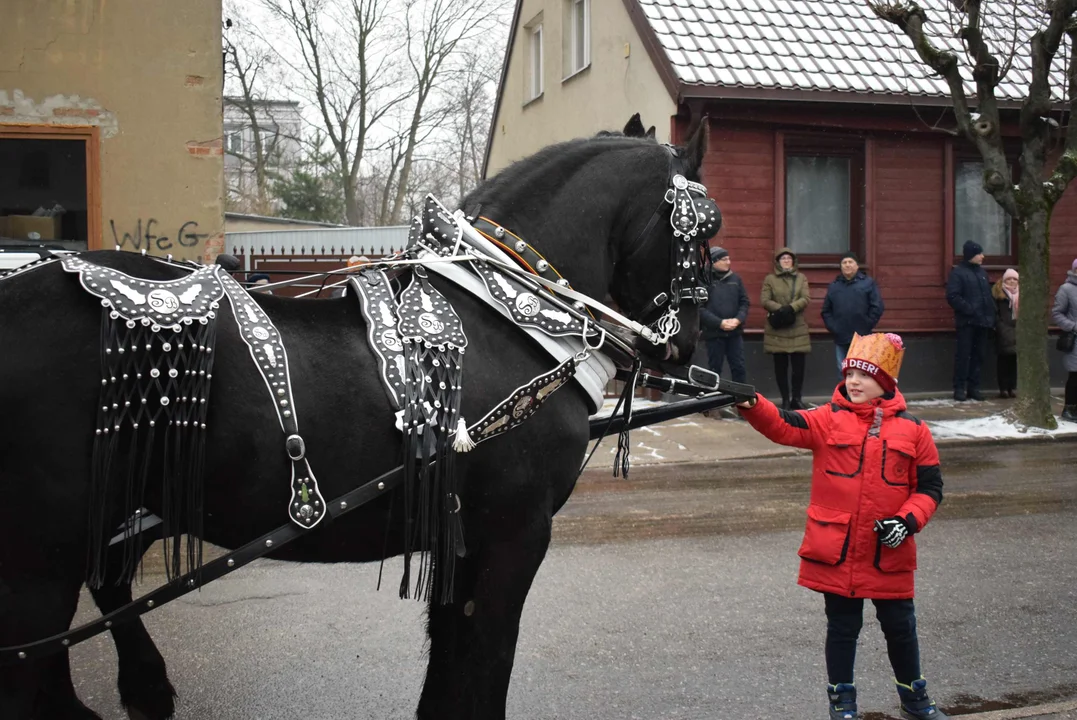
[876,352]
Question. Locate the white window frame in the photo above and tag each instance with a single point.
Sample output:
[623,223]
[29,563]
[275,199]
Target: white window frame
[579,63]
[535,81]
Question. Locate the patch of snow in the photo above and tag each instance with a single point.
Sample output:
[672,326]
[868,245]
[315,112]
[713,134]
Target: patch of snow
[993,427]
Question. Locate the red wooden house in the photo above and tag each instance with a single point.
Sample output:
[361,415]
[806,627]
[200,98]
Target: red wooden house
[826,135]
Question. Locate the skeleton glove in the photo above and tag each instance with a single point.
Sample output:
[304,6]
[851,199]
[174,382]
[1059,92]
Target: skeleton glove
[892,531]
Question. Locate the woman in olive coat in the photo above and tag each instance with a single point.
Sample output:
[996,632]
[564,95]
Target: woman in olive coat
[785,296]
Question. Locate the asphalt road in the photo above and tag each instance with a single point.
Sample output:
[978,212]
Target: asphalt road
[672,596]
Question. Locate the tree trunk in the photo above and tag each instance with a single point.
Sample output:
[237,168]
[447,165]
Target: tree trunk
[1033,407]
[351,200]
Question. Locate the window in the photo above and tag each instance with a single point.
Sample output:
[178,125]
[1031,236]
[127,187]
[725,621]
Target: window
[577,55]
[48,190]
[534,64]
[235,143]
[824,196]
[977,216]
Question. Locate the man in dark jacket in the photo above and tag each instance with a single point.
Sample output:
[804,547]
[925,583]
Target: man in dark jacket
[723,317]
[852,305]
[969,293]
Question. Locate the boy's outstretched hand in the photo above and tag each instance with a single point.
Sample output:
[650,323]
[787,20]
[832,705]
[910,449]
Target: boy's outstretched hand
[892,530]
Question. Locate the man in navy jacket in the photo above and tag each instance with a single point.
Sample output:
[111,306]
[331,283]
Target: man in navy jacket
[969,293]
[852,305]
[723,317]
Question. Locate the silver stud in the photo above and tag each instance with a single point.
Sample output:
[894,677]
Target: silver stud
[381,486]
[284,403]
[542,266]
[65,642]
[173,373]
[108,623]
[563,282]
[280,391]
[166,347]
[149,603]
[520,246]
[499,232]
[343,505]
[231,563]
[22,655]
[287,413]
[154,372]
[164,400]
[269,543]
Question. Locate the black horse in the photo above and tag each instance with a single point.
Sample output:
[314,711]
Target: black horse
[585,204]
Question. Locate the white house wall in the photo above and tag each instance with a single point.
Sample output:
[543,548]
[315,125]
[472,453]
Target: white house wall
[600,97]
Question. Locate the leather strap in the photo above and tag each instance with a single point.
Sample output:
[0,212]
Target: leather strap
[306,508]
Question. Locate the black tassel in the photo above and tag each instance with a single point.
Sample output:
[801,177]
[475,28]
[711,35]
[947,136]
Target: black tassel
[139,369]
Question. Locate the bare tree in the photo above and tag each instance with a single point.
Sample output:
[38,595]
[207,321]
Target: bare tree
[1031,201]
[345,67]
[247,61]
[435,29]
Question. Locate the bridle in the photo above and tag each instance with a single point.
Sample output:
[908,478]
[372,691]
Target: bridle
[695,219]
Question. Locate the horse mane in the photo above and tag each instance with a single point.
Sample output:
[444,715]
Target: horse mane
[548,168]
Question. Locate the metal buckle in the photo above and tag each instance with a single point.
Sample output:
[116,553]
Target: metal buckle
[296,448]
[706,381]
[660,299]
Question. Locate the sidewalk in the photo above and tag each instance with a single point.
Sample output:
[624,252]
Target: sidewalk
[699,439]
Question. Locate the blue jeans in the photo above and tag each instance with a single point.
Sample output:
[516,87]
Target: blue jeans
[731,348]
[840,351]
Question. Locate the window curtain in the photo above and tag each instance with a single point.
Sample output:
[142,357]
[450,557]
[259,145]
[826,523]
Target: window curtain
[977,216]
[817,204]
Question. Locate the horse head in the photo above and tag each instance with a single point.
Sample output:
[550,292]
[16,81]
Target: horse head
[621,217]
[661,268]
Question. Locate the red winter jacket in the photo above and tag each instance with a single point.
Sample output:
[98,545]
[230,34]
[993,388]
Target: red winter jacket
[869,461]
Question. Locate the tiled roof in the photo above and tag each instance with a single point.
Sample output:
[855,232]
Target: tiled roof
[826,45]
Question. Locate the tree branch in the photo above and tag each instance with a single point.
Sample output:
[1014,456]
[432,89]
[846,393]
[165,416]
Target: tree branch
[984,130]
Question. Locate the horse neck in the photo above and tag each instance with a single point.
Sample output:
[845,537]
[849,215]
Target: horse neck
[574,229]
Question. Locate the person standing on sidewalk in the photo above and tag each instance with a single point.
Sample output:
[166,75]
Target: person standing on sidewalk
[1064,314]
[969,293]
[785,333]
[1005,292]
[723,317]
[852,305]
[875,483]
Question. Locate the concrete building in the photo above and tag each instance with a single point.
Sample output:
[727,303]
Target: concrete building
[279,126]
[110,115]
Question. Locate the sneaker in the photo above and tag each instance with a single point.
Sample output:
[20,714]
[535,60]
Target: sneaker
[1069,414]
[976,395]
[916,704]
[842,701]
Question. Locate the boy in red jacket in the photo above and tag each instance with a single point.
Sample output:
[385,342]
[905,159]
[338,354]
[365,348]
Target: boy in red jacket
[875,484]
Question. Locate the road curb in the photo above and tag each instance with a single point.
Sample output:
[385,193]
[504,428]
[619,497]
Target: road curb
[1029,712]
[1034,439]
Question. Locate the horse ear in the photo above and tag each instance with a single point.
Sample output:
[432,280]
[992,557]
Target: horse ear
[650,132]
[634,127]
[696,149]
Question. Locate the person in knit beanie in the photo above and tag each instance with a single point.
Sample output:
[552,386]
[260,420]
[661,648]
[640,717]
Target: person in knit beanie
[722,317]
[875,483]
[969,293]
